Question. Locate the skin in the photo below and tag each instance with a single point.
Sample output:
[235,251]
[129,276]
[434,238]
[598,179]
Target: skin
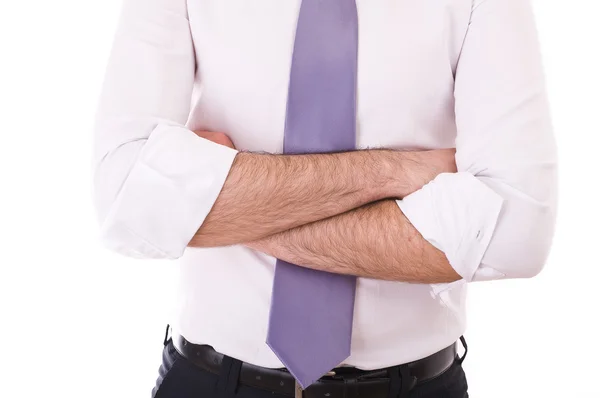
[355,228]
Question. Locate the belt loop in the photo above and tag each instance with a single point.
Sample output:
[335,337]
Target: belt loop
[229,377]
[407,381]
[395,383]
[166,341]
[464,344]
[351,388]
[401,382]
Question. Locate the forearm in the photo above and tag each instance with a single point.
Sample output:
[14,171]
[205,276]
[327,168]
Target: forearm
[374,241]
[266,194]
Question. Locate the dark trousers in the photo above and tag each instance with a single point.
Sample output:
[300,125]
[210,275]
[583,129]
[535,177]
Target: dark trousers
[179,378]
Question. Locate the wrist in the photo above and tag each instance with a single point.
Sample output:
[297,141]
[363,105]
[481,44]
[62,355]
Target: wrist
[418,168]
[407,173]
[413,170]
[375,171]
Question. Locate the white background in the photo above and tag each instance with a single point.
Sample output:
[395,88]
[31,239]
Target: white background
[78,321]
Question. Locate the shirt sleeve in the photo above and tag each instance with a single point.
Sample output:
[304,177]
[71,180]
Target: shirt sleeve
[155,181]
[495,218]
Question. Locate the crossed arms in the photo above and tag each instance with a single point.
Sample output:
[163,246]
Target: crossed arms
[486,213]
[333,212]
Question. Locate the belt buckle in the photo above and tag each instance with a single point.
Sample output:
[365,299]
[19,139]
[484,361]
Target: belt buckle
[298,392]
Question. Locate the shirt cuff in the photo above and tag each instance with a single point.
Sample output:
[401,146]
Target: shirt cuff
[167,195]
[456,213]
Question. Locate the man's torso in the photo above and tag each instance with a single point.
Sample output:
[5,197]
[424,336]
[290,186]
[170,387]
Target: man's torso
[408,53]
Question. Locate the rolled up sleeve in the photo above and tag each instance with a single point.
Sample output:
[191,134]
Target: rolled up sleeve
[155,181]
[495,218]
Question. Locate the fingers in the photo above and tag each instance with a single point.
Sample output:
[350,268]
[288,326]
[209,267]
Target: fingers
[216,137]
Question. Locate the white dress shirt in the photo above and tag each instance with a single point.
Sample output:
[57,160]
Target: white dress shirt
[431,74]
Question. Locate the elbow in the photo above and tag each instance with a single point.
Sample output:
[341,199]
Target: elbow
[525,228]
[521,252]
[153,185]
[532,263]
[120,239]
[114,210]
[537,248]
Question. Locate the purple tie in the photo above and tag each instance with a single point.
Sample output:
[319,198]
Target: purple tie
[310,324]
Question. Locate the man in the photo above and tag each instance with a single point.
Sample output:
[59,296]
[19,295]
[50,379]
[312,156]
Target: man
[388,153]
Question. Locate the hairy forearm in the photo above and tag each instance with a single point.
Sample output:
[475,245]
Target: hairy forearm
[375,241]
[265,194]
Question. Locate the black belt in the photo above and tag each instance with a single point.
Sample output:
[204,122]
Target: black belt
[339,383]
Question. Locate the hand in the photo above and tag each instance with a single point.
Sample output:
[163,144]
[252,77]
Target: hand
[427,165]
[442,161]
[216,137]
